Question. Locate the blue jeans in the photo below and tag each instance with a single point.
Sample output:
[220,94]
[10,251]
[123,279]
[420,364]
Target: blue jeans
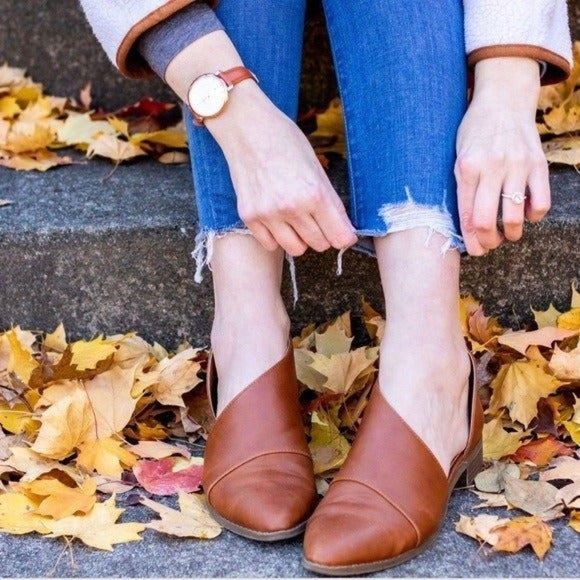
[402,78]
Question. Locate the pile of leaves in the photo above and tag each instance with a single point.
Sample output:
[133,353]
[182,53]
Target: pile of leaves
[85,424]
[34,126]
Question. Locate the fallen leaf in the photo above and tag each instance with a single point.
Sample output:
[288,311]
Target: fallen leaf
[521,532]
[192,520]
[518,387]
[105,456]
[480,527]
[158,449]
[328,447]
[493,478]
[98,528]
[17,515]
[158,476]
[522,339]
[177,375]
[497,442]
[537,498]
[65,425]
[541,451]
[58,500]
[562,468]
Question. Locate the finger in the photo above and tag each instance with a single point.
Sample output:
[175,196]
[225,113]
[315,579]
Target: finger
[467,176]
[307,228]
[512,212]
[539,201]
[263,235]
[287,237]
[486,207]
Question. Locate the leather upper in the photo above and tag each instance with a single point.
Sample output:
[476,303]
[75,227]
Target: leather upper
[258,469]
[378,509]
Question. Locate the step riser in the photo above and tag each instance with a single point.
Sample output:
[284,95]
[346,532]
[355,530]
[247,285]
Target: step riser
[143,281]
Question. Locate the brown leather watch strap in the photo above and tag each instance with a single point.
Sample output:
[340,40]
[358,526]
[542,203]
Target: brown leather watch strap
[236,74]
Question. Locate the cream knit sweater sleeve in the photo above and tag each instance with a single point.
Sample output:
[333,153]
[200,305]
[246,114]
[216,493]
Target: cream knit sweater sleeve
[537,29]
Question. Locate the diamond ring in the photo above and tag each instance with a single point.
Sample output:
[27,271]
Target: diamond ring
[517,196]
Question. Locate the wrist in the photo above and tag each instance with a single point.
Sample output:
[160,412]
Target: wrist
[246,105]
[508,79]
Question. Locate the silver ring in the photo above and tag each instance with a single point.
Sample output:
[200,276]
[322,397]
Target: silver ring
[517,196]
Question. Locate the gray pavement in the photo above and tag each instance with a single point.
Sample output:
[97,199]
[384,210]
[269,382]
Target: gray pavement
[452,555]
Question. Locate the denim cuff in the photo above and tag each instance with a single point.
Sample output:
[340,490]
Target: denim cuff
[161,43]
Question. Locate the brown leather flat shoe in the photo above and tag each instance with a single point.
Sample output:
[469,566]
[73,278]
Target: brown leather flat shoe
[258,473]
[389,500]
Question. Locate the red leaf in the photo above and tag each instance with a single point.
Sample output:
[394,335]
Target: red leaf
[541,451]
[156,476]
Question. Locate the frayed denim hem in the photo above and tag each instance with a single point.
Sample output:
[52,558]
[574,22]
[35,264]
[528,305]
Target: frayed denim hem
[397,216]
[400,216]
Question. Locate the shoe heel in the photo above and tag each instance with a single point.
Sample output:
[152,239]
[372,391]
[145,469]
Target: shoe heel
[471,467]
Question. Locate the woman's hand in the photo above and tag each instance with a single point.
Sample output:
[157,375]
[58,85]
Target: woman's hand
[499,151]
[284,195]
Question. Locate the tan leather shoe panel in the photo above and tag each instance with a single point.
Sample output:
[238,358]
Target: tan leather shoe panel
[268,493]
[258,472]
[389,499]
[381,530]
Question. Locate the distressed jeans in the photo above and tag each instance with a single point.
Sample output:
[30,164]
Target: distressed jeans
[402,78]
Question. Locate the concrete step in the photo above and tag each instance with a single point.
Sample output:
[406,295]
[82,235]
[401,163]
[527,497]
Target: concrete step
[112,255]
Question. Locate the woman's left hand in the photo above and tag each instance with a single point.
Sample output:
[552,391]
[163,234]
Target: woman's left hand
[499,151]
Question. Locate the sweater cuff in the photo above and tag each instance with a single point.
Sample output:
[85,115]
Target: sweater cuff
[163,42]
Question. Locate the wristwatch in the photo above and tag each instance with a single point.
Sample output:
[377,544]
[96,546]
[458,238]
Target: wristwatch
[208,93]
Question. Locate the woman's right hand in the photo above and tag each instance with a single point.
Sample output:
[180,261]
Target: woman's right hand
[284,195]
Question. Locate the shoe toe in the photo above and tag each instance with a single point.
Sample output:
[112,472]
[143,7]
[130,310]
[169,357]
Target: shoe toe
[354,526]
[267,495]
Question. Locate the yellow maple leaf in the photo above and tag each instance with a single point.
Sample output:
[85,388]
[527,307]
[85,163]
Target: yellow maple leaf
[176,375]
[547,317]
[518,387]
[345,371]
[88,354]
[192,520]
[58,500]
[17,515]
[112,147]
[329,448]
[41,160]
[109,396]
[575,520]
[17,418]
[570,319]
[65,425]
[545,336]
[105,456]
[566,365]
[167,137]
[497,442]
[33,465]
[21,361]
[28,136]
[79,129]
[98,528]
[523,531]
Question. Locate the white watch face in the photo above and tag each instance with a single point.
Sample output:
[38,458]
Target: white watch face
[207,95]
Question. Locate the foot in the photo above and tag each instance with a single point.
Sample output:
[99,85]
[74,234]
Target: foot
[428,387]
[246,343]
